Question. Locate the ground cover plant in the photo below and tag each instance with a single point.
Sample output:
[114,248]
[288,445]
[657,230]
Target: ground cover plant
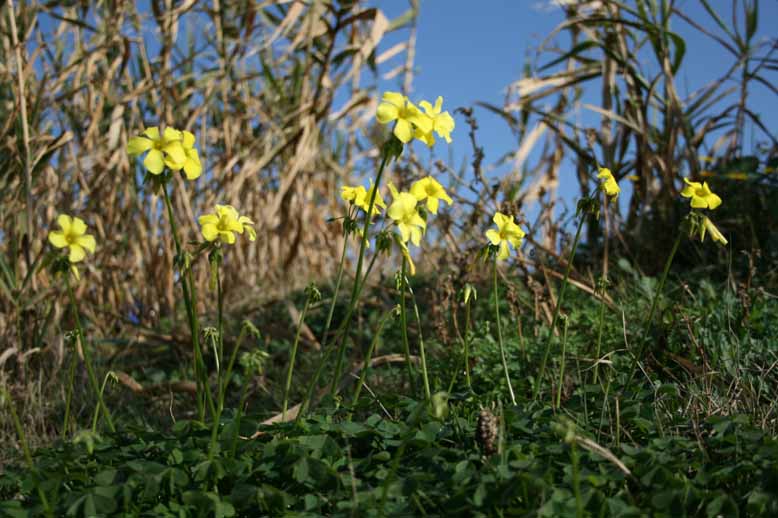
[445,344]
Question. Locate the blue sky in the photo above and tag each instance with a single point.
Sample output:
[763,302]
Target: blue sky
[471,51]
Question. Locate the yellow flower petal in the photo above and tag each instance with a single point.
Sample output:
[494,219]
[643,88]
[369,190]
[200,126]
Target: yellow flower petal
[386,113]
[171,134]
[192,167]
[88,242]
[152,133]
[138,145]
[78,227]
[64,221]
[206,219]
[188,139]
[57,238]
[403,131]
[209,231]
[77,253]
[493,236]
[505,252]
[154,161]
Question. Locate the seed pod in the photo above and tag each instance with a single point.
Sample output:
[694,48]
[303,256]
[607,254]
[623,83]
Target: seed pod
[486,432]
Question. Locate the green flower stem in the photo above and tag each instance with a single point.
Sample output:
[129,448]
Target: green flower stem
[559,300]
[499,330]
[599,337]
[4,395]
[69,398]
[335,292]
[424,375]
[355,291]
[574,460]
[191,312]
[87,355]
[650,319]
[466,339]
[293,355]
[198,351]
[562,367]
[404,324]
[96,415]
[228,373]
[238,415]
[369,356]
[326,356]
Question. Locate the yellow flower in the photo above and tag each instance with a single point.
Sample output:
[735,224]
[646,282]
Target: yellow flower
[360,197]
[428,188]
[191,163]
[397,107]
[507,232]
[442,123]
[73,236]
[701,195]
[160,148]
[403,212]
[707,225]
[224,223]
[608,183]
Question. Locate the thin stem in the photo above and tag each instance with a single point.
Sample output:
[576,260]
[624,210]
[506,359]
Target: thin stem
[325,358]
[369,356]
[562,367]
[356,288]
[466,339]
[69,398]
[338,280]
[579,507]
[25,448]
[404,324]
[424,375]
[650,319]
[292,357]
[230,364]
[499,330]
[87,355]
[559,300]
[191,311]
[599,337]
[97,410]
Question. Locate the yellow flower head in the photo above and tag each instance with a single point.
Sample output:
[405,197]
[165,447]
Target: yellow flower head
[161,149]
[191,163]
[507,232]
[72,235]
[608,183]
[403,212]
[715,234]
[224,223]
[360,197]
[442,123]
[396,107]
[428,188]
[701,195]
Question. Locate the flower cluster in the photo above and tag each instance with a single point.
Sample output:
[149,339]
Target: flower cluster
[173,149]
[224,223]
[703,198]
[411,122]
[608,183]
[508,232]
[360,197]
[72,235]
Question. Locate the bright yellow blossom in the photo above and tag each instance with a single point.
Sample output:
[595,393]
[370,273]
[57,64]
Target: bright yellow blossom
[507,232]
[224,223]
[397,107]
[161,149]
[715,234]
[430,189]
[73,236]
[360,197]
[442,123]
[701,195]
[191,163]
[403,212]
[608,183]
